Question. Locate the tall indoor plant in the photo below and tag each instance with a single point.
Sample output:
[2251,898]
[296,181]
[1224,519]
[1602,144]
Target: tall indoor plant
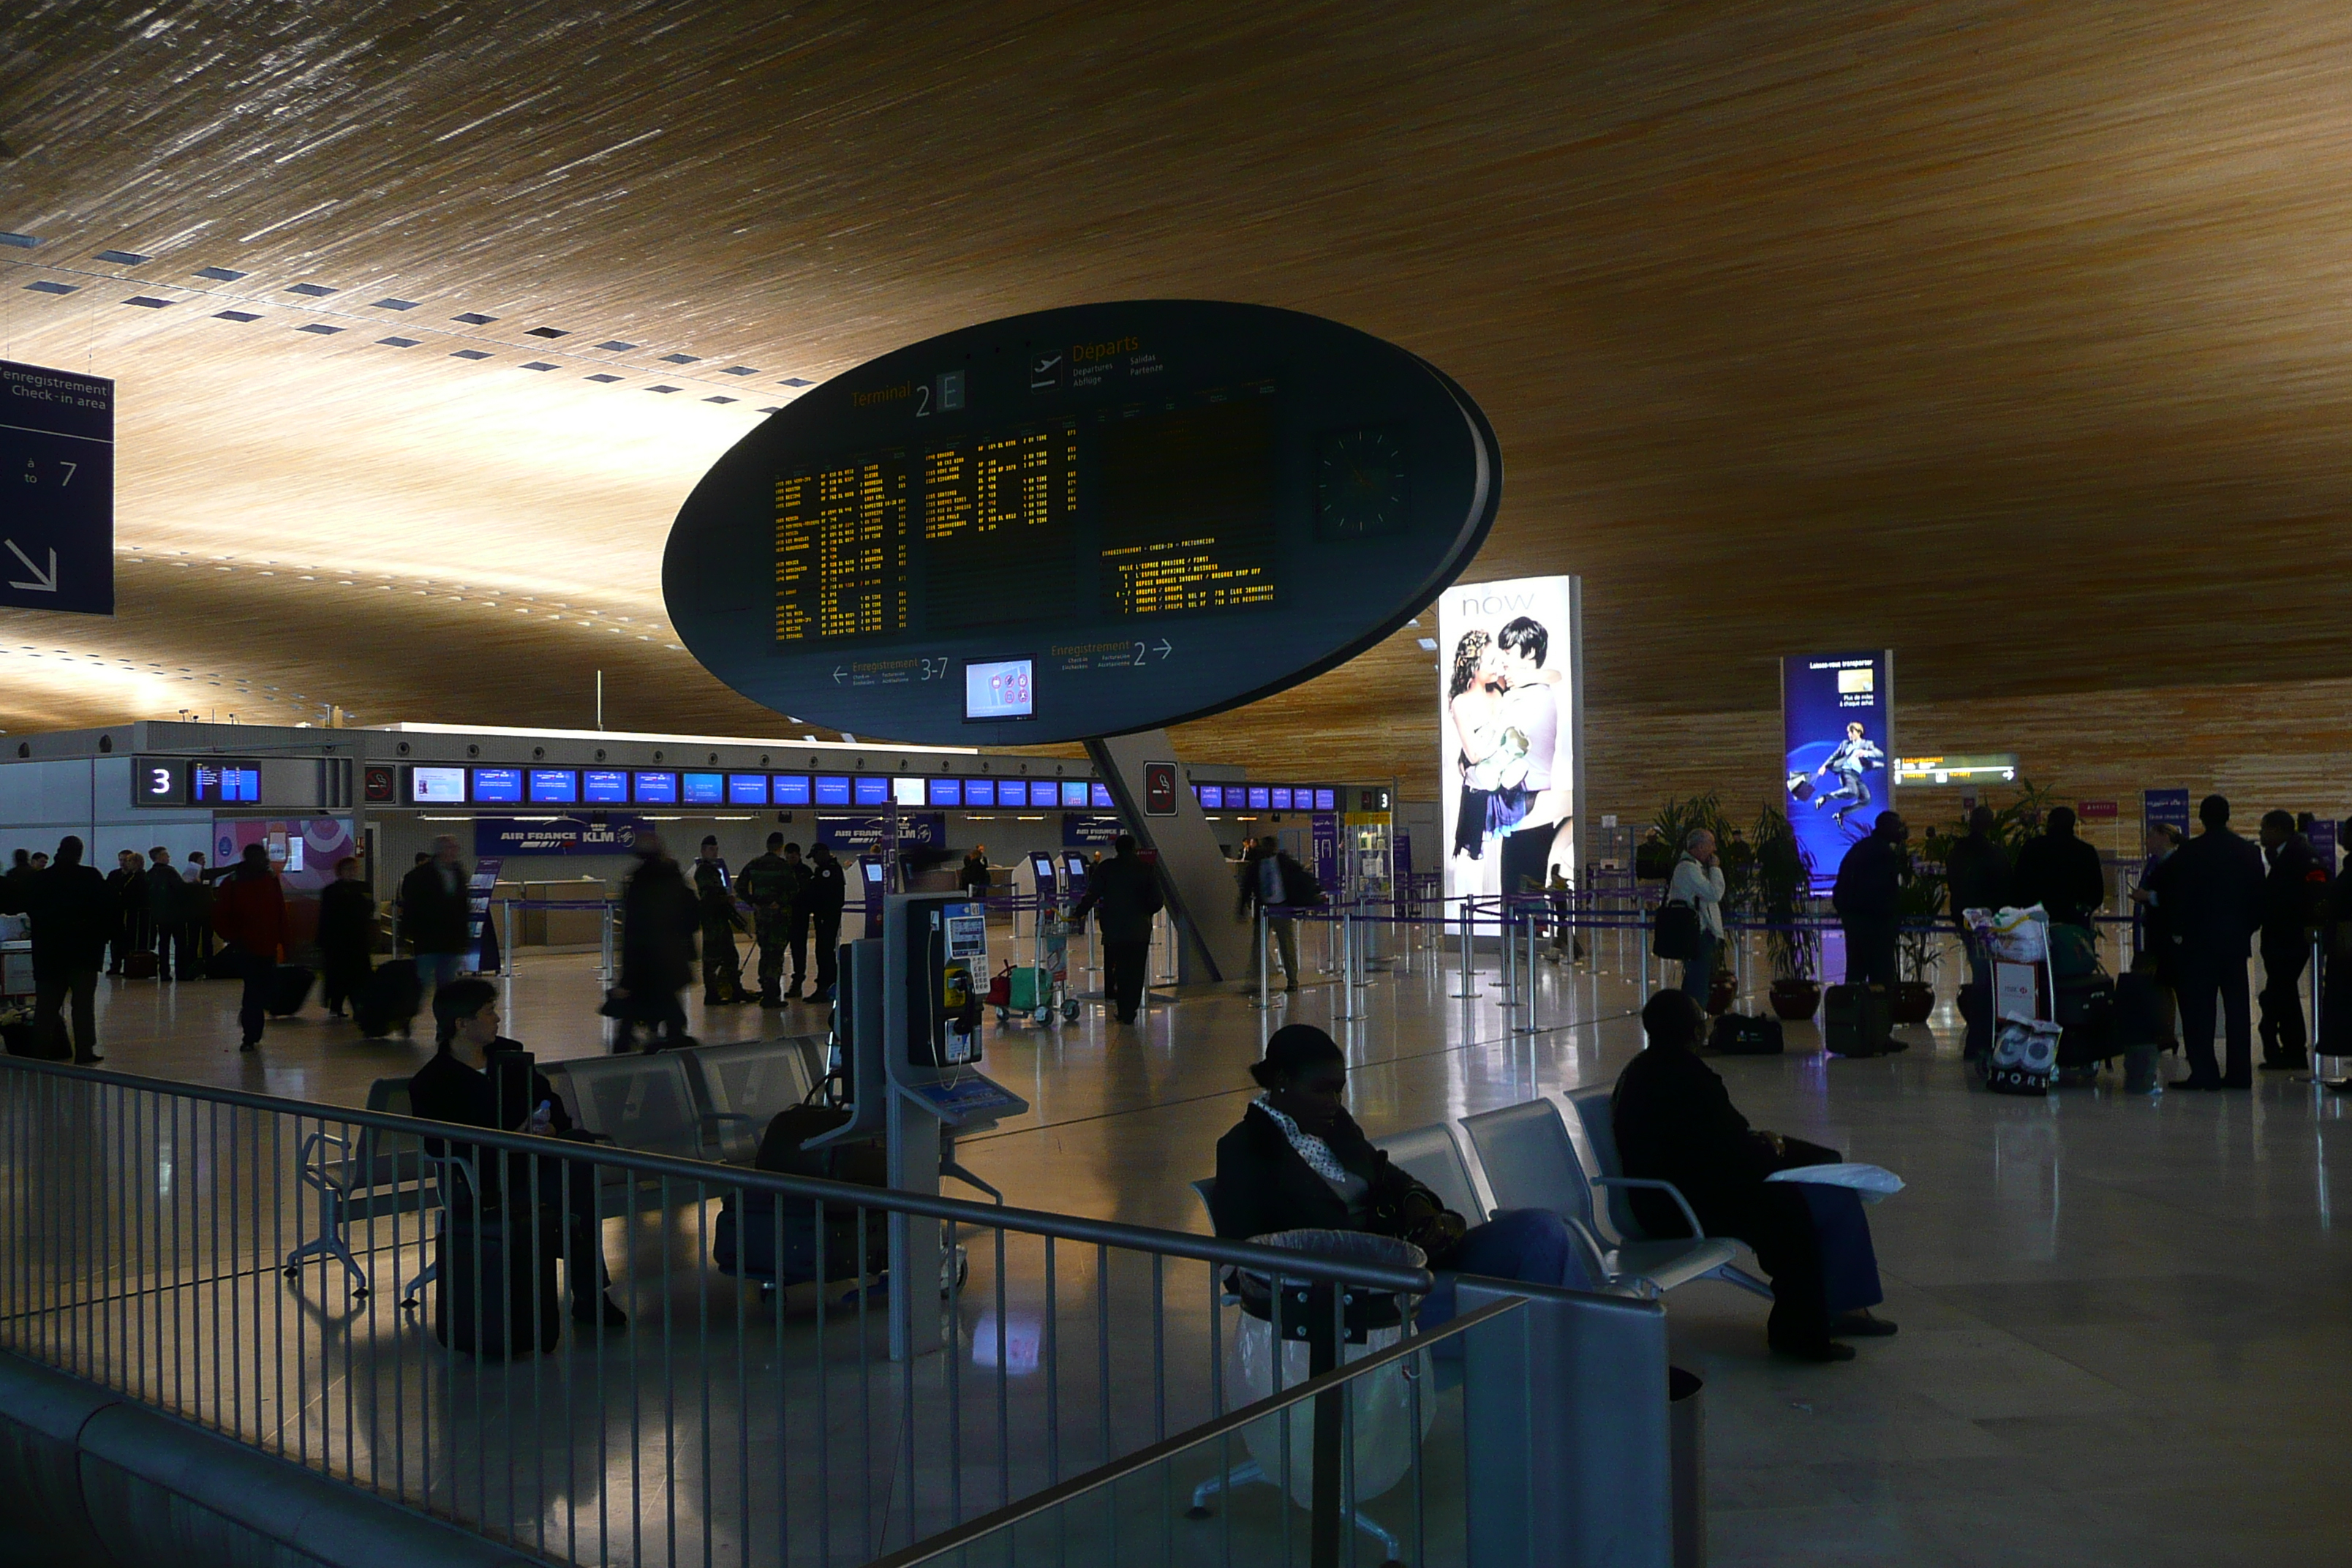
[1782,886]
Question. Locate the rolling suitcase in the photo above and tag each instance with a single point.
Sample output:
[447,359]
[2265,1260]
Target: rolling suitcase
[1858,1021]
[288,989]
[390,1000]
[1742,1035]
[497,1294]
[140,965]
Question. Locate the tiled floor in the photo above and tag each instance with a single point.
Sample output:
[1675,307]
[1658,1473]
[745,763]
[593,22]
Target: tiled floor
[2125,1321]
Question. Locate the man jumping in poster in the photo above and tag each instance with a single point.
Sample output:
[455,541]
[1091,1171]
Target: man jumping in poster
[1853,757]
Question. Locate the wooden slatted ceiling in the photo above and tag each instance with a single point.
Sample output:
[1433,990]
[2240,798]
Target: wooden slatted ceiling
[2014,337]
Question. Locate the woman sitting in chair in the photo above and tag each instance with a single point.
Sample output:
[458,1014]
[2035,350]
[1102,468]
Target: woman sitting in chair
[450,1088]
[1675,1123]
[1296,1161]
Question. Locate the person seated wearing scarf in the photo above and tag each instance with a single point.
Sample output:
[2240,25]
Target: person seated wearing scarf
[1675,1123]
[1296,1161]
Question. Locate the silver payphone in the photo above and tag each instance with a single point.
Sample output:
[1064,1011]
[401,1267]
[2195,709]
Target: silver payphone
[906,1024]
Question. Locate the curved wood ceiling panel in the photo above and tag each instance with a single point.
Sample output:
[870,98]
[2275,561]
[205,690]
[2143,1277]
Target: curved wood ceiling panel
[2012,336]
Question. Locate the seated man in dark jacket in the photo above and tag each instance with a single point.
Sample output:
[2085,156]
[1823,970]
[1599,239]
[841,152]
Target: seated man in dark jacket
[1676,1124]
[449,1088]
[1296,1161]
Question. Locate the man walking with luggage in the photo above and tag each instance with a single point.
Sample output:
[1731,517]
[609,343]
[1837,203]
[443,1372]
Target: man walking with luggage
[1272,879]
[770,884]
[346,937]
[1867,896]
[435,915]
[2294,901]
[658,917]
[715,901]
[74,914]
[825,892]
[2213,890]
[1126,891]
[249,912]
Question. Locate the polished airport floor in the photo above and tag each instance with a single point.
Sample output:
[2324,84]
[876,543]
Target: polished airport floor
[2127,1322]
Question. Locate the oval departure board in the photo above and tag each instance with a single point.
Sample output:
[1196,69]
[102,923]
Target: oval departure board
[1081,522]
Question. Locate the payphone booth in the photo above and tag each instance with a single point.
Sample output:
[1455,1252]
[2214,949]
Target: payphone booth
[908,1030]
[873,882]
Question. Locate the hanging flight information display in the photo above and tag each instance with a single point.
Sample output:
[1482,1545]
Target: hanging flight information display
[1153,510]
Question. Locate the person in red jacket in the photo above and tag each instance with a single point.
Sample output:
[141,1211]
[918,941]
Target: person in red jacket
[249,913]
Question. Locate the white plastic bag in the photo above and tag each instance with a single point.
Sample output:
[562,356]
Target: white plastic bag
[1876,1184]
[2020,936]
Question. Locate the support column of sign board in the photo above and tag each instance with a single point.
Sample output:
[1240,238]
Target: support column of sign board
[1142,775]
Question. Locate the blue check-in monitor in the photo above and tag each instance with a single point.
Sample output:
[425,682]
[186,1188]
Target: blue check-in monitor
[605,787]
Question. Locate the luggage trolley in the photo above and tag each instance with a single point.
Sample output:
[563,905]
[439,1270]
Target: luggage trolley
[2026,1032]
[1040,990]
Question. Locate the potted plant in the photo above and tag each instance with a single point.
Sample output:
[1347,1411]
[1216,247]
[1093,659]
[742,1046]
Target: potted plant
[1781,886]
[1919,905]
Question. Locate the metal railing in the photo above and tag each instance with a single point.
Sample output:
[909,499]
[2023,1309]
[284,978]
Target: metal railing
[744,1416]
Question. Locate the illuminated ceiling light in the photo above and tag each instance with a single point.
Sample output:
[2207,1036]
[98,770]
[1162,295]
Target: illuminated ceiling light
[221,274]
[314,290]
[547,332]
[394,305]
[45,287]
[124,257]
[318,327]
[475,319]
[469,354]
[147,302]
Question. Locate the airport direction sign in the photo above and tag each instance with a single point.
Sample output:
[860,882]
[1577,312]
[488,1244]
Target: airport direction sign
[57,474]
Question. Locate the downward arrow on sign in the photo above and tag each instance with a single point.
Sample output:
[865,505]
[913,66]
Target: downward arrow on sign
[43,583]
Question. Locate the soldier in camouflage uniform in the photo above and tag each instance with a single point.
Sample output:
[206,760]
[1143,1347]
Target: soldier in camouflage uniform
[770,884]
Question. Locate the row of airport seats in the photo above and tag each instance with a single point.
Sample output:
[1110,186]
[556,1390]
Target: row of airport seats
[706,1102]
[1525,1157]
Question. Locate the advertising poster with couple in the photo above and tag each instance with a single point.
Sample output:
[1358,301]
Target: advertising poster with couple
[1510,729]
[1836,717]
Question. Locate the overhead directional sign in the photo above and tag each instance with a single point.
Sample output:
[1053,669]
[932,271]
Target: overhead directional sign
[57,476]
[1084,521]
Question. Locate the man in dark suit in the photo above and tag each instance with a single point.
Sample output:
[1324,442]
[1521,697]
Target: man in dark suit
[1867,897]
[2294,894]
[2213,890]
[75,915]
[1127,890]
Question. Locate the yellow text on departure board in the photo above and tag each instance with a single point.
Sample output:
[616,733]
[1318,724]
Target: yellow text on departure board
[841,549]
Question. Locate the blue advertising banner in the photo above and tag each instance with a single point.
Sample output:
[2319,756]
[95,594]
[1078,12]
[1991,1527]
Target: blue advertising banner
[857,834]
[1327,851]
[1837,723]
[2169,806]
[1084,832]
[496,836]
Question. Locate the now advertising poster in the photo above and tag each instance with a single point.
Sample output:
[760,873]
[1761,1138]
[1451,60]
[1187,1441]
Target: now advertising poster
[1510,729]
[1837,713]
